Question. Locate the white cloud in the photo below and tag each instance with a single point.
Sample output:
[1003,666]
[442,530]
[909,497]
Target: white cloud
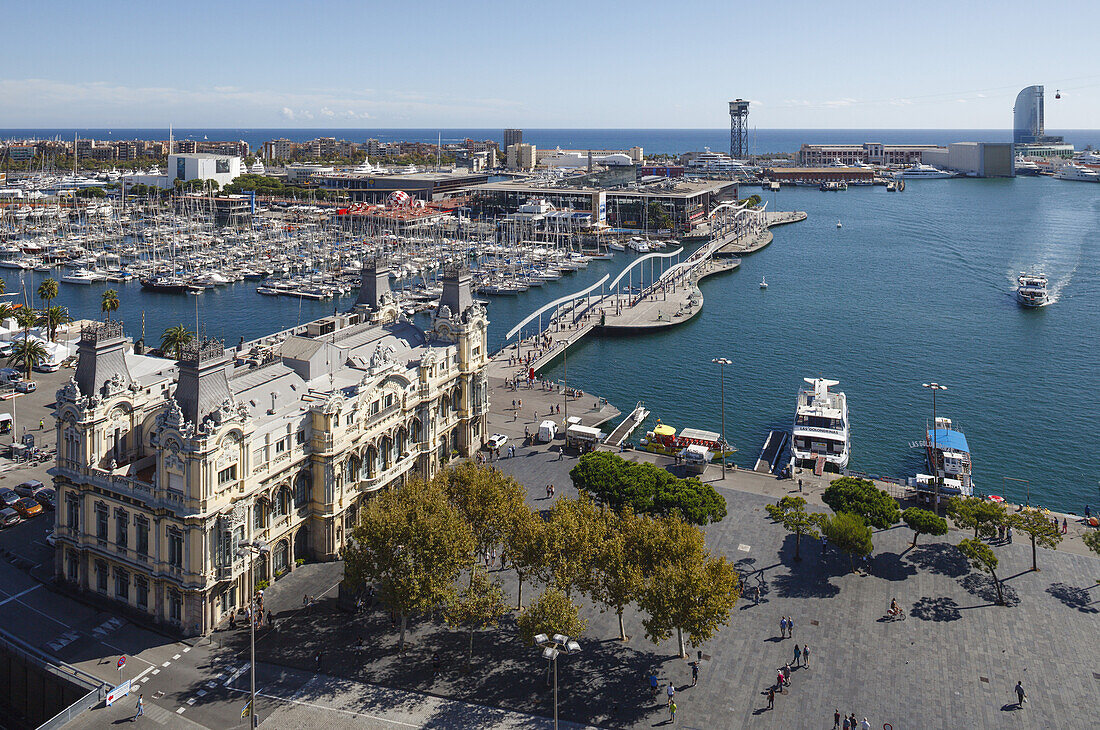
[288,114]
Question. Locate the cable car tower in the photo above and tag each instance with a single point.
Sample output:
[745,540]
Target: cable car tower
[739,129]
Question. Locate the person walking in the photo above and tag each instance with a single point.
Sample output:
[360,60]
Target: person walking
[865,725]
[847,723]
[317,660]
[836,719]
[1065,525]
[797,655]
[787,675]
[771,698]
[672,712]
[1021,696]
[790,626]
[694,673]
[139,710]
[779,681]
[671,691]
[805,656]
[653,684]
[852,721]
[782,627]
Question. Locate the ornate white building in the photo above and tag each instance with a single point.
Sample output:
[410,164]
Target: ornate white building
[164,467]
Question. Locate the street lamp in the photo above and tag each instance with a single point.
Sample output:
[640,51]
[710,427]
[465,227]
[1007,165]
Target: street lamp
[252,549]
[935,442]
[722,362]
[551,647]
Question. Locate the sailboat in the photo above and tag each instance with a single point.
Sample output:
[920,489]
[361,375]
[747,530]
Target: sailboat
[763,283]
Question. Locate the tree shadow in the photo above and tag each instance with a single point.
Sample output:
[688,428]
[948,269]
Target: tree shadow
[891,567]
[1073,597]
[941,558]
[982,586]
[794,585]
[938,609]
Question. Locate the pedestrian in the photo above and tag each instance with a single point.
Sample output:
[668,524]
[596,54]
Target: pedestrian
[847,724]
[653,686]
[800,486]
[435,664]
[782,627]
[790,626]
[787,675]
[805,656]
[140,709]
[865,725]
[824,542]
[797,655]
[1065,525]
[1088,513]
[694,673]
[672,712]
[771,698]
[836,719]
[779,682]
[270,619]
[671,691]
[1021,697]
[41,424]
[317,659]
[232,620]
[852,721]
[1008,533]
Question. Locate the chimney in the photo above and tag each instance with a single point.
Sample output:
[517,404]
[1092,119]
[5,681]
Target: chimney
[203,385]
[101,354]
[374,282]
[456,290]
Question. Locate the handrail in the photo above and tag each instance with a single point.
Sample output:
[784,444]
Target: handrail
[640,260]
[556,302]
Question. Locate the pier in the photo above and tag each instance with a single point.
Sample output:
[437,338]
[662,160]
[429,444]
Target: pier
[629,424]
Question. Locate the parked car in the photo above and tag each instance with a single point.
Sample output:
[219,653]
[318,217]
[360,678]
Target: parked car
[27,508]
[6,348]
[26,386]
[48,366]
[8,375]
[7,497]
[28,488]
[497,440]
[9,517]
[46,496]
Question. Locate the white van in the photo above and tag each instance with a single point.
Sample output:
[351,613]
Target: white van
[547,431]
[49,365]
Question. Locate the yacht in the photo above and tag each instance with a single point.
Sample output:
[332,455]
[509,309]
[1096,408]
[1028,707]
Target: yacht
[949,458]
[820,438]
[83,276]
[1078,173]
[763,283]
[1025,166]
[717,162]
[922,172]
[1031,290]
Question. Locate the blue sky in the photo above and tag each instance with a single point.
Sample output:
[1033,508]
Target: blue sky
[642,63]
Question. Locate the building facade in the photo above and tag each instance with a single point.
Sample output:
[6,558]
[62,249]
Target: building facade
[165,467]
[522,156]
[871,153]
[511,137]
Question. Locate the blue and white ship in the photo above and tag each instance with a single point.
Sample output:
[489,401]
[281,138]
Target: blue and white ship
[949,458]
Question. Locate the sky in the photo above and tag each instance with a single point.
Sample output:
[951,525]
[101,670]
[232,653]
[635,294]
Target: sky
[560,64]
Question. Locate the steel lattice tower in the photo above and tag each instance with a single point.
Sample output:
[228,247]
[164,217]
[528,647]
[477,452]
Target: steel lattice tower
[739,129]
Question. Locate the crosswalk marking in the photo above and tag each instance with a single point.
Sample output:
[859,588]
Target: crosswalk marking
[180,710]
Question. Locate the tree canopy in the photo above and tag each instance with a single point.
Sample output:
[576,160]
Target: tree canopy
[646,489]
[553,613]
[479,606]
[849,533]
[923,522]
[791,513]
[861,497]
[617,575]
[981,556]
[974,513]
[1041,530]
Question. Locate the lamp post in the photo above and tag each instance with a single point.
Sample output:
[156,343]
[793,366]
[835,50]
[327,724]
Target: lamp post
[722,362]
[551,647]
[251,548]
[935,442]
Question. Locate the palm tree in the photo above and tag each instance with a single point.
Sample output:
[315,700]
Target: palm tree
[26,318]
[47,291]
[53,318]
[174,338]
[109,303]
[28,353]
[6,309]
[3,286]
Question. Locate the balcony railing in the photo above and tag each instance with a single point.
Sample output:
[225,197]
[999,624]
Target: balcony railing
[381,478]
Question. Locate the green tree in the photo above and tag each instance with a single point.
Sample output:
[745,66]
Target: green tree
[617,576]
[47,292]
[923,522]
[412,543]
[981,556]
[647,489]
[3,286]
[92,192]
[861,497]
[52,318]
[479,606]
[791,513]
[525,545]
[1041,531]
[487,499]
[27,353]
[553,613]
[848,532]
[693,596]
[109,302]
[1092,542]
[572,532]
[973,513]
[174,338]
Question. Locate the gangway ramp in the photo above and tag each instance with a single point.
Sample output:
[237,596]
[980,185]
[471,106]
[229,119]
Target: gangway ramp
[772,451]
[631,422]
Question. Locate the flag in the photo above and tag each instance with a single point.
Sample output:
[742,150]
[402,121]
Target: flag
[247,710]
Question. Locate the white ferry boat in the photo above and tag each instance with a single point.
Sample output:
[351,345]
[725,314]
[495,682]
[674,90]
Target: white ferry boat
[716,162]
[820,438]
[1031,290]
[1077,173]
[922,172]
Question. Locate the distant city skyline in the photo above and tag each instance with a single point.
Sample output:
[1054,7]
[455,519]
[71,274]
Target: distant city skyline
[344,65]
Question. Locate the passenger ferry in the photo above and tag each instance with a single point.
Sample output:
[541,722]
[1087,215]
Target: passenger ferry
[820,439]
[663,440]
[1031,290]
[948,457]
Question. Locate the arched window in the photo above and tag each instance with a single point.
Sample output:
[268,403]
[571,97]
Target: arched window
[301,489]
[386,449]
[400,442]
[351,470]
[282,502]
[259,515]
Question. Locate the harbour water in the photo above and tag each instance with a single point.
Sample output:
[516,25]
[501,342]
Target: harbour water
[915,286]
